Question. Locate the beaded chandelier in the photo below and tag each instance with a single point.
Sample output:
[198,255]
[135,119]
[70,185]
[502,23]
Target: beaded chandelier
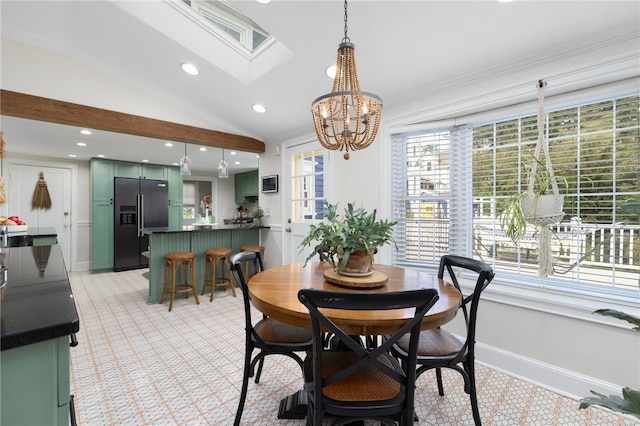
[347,118]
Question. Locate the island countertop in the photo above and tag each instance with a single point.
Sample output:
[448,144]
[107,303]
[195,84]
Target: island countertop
[37,301]
[202,228]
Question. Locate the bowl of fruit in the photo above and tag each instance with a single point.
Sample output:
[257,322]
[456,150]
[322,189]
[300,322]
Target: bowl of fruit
[14,224]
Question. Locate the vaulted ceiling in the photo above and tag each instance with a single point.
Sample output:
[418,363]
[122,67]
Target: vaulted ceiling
[126,56]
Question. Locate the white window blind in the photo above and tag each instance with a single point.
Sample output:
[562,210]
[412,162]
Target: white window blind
[595,152]
[432,166]
[449,184]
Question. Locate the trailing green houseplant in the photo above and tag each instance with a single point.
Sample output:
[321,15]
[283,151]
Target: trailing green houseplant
[341,236]
[517,209]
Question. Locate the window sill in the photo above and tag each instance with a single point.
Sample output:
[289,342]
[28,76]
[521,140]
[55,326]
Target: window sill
[568,303]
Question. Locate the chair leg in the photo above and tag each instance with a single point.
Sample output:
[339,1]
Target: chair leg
[173,286]
[439,377]
[193,281]
[472,395]
[259,372]
[245,384]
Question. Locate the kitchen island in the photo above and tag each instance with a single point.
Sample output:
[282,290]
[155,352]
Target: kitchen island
[38,319]
[197,239]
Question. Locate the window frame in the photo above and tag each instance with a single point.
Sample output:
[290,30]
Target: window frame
[524,282]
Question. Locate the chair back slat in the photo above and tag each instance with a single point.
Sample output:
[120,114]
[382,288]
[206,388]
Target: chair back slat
[321,302]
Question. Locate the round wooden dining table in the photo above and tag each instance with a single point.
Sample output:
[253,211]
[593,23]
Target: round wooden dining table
[274,292]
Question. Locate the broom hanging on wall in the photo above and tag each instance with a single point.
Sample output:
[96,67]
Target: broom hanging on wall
[41,198]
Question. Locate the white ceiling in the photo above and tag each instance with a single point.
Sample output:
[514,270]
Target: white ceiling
[405,51]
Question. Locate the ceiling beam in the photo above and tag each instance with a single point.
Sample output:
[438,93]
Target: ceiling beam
[21,105]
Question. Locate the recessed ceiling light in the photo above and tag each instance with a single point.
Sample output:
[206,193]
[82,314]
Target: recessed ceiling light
[331,71]
[81,144]
[202,148]
[190,69]
[504,1]
[100,155]
[145,161]
[263,1]
[174,164]
[259,108]
[85,131]
[168,144]
[237,162]
[72,155]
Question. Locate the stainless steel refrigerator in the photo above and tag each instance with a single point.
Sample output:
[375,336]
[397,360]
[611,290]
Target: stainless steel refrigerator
[138,203]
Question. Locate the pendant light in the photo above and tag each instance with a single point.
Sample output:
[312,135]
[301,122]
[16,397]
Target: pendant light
[347,118]
[223,171]
[185,163]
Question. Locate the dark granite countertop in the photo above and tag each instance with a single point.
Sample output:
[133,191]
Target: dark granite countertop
[37,302]
[202,228]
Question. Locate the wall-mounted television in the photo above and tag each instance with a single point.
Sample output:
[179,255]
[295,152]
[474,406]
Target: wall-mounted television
[269,183]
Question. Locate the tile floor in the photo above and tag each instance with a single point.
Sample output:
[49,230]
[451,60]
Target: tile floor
[138,364]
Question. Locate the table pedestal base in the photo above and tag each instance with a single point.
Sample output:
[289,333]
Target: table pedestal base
[293,406]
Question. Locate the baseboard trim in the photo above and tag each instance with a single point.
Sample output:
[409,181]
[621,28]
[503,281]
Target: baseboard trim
[556,379]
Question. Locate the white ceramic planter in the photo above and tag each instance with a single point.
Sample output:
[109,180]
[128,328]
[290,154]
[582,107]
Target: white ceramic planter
[542,209]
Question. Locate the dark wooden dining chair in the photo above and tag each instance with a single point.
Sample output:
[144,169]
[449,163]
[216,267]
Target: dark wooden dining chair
[268,335]
[355,382]
[440,349]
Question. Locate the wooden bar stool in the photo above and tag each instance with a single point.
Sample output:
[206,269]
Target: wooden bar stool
[248,248]
[173,260]
[212,258]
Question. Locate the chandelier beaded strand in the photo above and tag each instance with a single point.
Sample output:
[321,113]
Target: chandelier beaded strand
[347,118]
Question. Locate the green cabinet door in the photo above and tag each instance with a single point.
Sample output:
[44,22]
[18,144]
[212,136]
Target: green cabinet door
[154,171]
[175,197]
[101,179]
[239,181]
[175,184]
[251,184]
[127,169]
[35,384]
[102,235]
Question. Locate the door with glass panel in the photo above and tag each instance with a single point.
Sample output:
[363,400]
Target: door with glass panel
[305,173]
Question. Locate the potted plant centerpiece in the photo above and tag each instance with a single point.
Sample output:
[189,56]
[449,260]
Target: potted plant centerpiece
[349,241]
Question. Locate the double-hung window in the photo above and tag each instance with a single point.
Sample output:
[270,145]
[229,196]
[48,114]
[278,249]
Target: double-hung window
[454,181]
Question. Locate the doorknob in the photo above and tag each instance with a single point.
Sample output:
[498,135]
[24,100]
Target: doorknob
[288,229]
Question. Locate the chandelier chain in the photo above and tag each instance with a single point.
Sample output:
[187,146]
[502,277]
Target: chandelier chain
[346,38]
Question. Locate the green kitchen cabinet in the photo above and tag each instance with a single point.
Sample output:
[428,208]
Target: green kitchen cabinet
[36,384]
[239,181]
[102,233]
[102,174]
[246,186]
[175,197]
[251,184]
[139,170]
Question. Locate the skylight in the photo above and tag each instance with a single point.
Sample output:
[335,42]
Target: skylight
[231,21]
[226,38]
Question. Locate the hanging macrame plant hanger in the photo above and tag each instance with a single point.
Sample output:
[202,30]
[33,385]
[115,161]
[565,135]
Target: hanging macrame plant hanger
[543,209]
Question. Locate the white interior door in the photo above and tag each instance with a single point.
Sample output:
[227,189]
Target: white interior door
[305,174]
[22,184]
